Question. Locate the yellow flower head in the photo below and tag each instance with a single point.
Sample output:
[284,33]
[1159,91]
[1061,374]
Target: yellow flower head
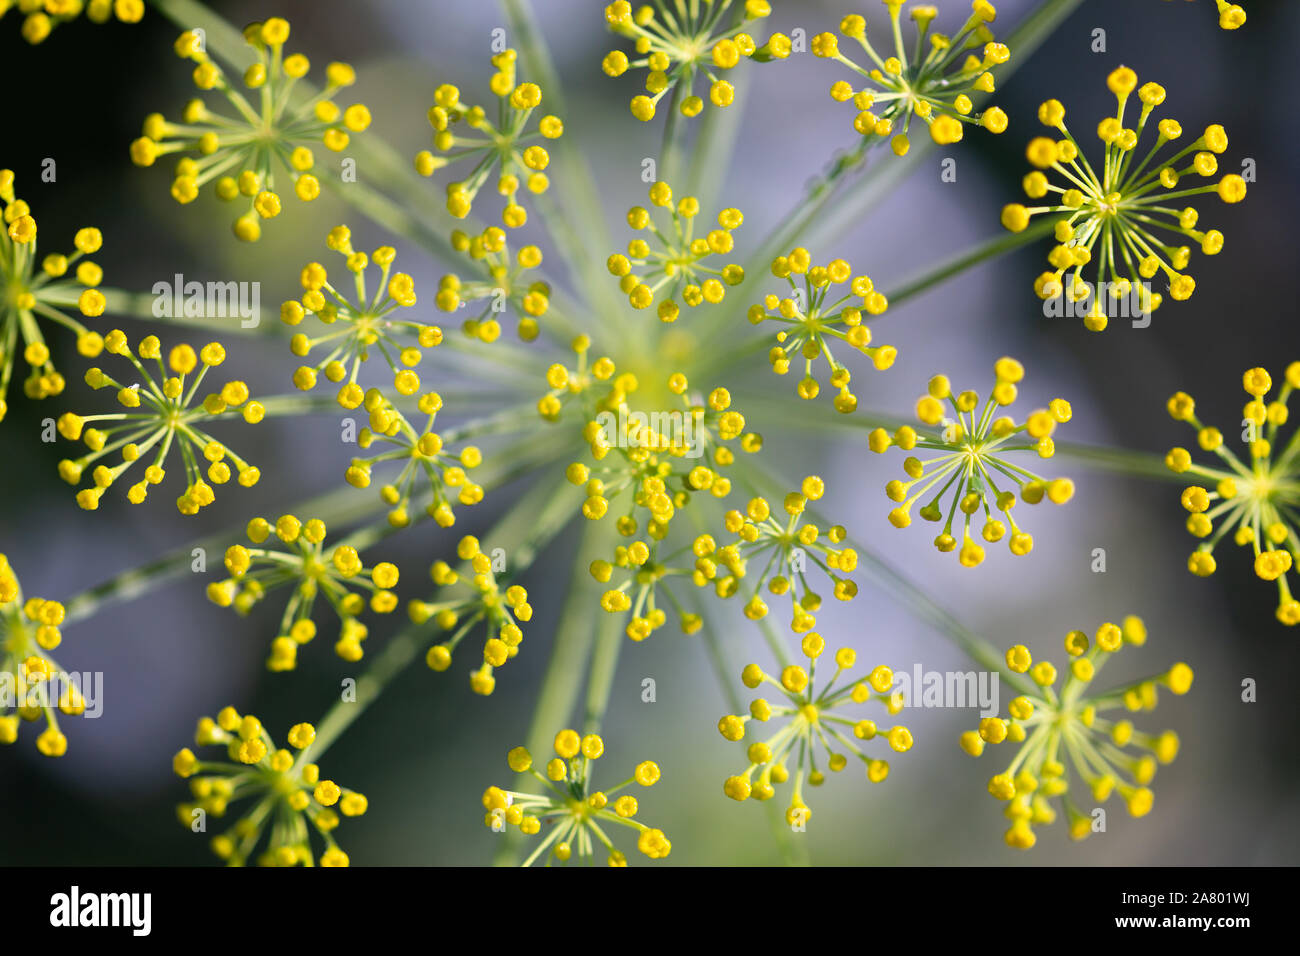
[1121,218]
[673,267]
[674,45]
[393,436]
[357,320]
[481,598]
[42,16]
[647,467]
[503,283]
[574,812]
[971,466]
[934,83]
[32,684]
[160,415]
[292,806]
[1256,496]
[779,540]
[314,571]
[32,288]
[815,317]
[1060,732]
[814,724]
[264,142]
[662,456]
[505,147]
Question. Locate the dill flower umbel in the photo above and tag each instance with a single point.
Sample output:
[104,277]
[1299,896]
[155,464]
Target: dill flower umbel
[337,574]
[505,145]
[1063,732]
[245,150]
[498,609]
[816,722]
[1259,500]
[368,321]
[32,683]
[972,454]
[676,270]
[1121,220]
[28,293]
[654,465]
[42,16]
[424,457]
[291,800]
[674,44]
[934,85]
[506,284]
[783,548]
[571,807]
[161,413]
[813,320]
[662,457]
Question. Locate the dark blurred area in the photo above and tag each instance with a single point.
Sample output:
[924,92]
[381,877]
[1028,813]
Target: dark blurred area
[424,753]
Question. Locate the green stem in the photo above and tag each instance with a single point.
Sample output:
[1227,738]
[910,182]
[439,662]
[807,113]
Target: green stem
[1120,461]
[670,150]
[401,649]
[139,305]
[604,665]
[915,600]
[981,252]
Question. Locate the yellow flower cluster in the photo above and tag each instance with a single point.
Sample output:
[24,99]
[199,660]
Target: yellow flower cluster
[783,543]
[662,460]
[1063,732]
[312,573]
[663,457]
[674,44]
[787,549]
[814,723]
[505,284]
[291,801]
[935,85]
[28,293]
[160,414]
[245,150]
[675,269]
[32,684]
[498,609]
[1114,219]
[424,455]
[575,812]
[1257,500]
[814,317]
[40,17]
[505,145]
[971,458]
[369,320]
